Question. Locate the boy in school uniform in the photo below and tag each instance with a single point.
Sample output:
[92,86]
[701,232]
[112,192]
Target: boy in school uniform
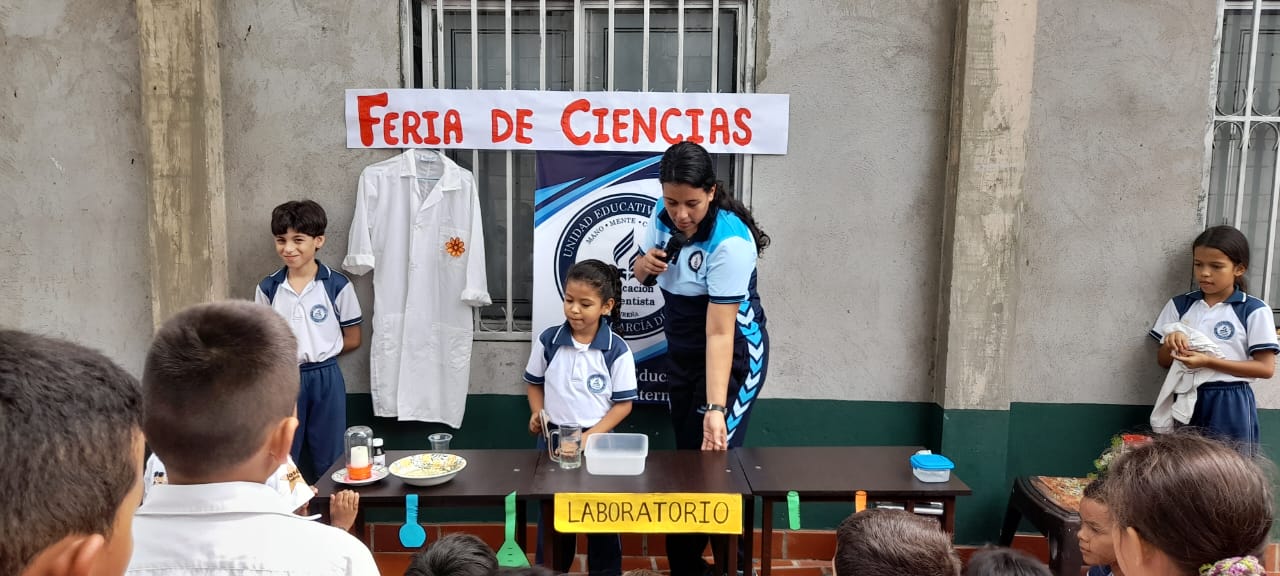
[321,307]
[72,444]
[219,387]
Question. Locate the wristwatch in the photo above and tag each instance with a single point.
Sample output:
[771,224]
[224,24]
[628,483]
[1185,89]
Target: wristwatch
[714,408]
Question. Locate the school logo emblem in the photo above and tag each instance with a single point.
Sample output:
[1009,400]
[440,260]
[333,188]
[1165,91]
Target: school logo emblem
[695,261]
[595,383]
[319,313]
[1224,330]
[608,230]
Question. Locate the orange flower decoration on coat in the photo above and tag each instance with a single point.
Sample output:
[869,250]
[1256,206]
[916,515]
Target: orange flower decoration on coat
[455,247]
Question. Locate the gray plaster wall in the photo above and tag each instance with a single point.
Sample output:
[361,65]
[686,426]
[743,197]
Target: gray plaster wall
[285,66]
[855,207]
[73,231]
[1113,186]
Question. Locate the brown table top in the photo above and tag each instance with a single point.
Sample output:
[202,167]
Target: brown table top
[839,471]
[689,471]
[489,474]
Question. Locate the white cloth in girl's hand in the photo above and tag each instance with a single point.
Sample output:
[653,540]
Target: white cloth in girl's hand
[1177,399]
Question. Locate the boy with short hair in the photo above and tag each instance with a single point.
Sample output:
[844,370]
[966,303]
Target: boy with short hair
[72,446]
[874,542]
[321,307]
[220,387]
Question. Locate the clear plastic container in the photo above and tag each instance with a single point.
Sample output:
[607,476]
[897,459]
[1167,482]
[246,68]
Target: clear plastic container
[616,454]
[931,467]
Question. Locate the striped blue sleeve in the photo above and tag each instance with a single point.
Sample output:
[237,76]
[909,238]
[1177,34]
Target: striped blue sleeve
[729,271]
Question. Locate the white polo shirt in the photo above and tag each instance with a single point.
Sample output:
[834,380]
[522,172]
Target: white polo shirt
[581,381]
[1240,325]
[287,481]
[317,315]
[237,528]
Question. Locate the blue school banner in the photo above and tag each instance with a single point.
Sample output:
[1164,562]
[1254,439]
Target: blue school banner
[597,205]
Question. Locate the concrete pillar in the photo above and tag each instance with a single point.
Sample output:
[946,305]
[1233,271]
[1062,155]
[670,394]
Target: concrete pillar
[986,161]
[182,115]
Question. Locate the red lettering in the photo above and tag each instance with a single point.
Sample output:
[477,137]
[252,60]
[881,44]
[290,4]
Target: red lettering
[411,121]
[500,134]
[432,138]
[666,117]
[522,123]
[452,127]
[579,105]
[740,117]
[364,106]
[640,127]
[601,135]
[694,114]
[620,124]
[719,125]
[389,128]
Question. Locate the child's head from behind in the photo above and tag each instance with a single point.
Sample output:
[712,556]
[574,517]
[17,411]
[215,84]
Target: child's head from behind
[1182,501]
[592,289]
[1097,547]
[1220,258]
[219,386]
[455,555]
[1004,562]
[298,227]
[893,542]
[69,432]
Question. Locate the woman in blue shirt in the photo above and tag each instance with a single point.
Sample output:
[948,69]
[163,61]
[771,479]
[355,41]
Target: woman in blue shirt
[715,326]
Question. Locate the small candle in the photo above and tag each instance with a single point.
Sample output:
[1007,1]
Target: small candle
[359,456]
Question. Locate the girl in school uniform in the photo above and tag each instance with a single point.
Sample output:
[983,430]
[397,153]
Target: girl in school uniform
[582,373]
[1240,324]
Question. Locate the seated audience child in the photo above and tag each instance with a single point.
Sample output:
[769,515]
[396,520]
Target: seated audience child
[1097,547]
[455,555]
[874,542]
[1187,505]
[219,388]
[992,561]
[72,446]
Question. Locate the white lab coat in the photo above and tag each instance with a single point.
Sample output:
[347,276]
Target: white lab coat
[1177,399]
[417,220]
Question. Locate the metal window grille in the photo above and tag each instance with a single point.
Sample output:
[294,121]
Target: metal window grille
[590,45]
[1243,182]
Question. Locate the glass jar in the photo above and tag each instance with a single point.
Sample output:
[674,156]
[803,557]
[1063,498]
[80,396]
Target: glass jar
[359,441]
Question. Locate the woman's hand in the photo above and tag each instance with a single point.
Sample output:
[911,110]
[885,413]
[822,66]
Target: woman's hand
[715,435]
[651,264]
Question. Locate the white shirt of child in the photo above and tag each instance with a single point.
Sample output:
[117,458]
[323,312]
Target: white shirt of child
[581,381]
[318,314]
[287,481]
[233,528]
[1239,325]
[417,220]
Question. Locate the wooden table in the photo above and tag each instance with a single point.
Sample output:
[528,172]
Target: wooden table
[835,474]
[1052,504]
[489,476]
[666,471]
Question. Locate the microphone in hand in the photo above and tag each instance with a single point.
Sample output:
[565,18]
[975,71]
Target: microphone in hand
[674,244]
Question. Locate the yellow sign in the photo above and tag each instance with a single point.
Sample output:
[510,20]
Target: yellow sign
[649,513]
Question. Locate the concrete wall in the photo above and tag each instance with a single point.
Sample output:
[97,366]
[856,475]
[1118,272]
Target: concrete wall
[855,207]
[73,230]
[1113,185]
[285,66]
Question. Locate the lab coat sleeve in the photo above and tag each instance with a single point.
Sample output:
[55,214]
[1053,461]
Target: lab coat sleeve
[476,293]
[359,258]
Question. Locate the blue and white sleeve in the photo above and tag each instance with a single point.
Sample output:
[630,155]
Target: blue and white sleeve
[535,372]
[1167,315]
[348,305]
[622,376]
[1261,331]
[729,270]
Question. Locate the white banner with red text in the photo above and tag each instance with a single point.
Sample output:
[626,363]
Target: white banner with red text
[545,120]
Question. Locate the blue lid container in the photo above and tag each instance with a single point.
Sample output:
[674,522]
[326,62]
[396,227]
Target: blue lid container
[931,462]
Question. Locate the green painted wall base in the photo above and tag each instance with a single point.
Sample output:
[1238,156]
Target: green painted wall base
[990,447]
